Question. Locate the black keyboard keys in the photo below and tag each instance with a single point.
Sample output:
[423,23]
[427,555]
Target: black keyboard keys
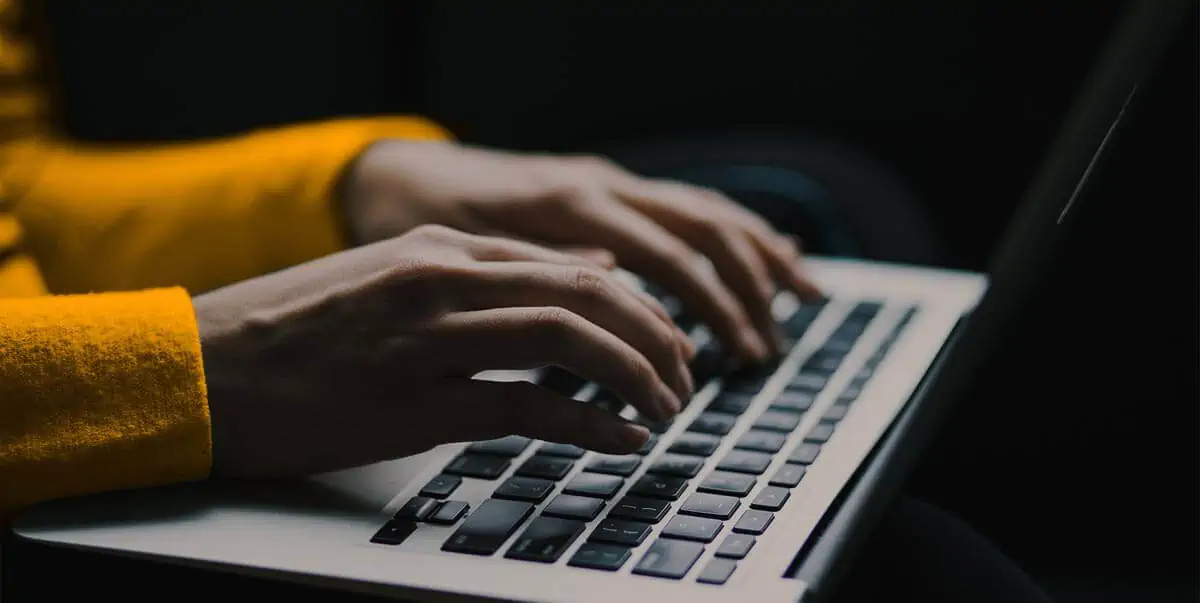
[686,527]
[623,466]
[394,532]
[808,382]
[620,531]
[771,499]
[710,505]
[545,467]
[485,530]
[677,465]
[731,403]
[729,484]
[714,423]
[834,413]
[820,434]
[788,476]
[600,556]
[753,522]
[717,571]
[449,512]
[569,506]
[805,454]
[777,420]
[695,444]
[668,558]
[482,466]
[507,446]
[760,440]
[595,485]
[793,401]
[659,486]
[636,508]
[441,486]
[545,539]
[563,450]
[416,508]
[736,546]
[525,488]
[745,461]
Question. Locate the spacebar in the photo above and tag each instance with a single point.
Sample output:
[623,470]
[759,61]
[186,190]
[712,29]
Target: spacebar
[485,530]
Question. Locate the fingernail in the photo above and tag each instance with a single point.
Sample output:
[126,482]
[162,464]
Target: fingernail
[630,436]
[754,343]
[668,404]
[689,347]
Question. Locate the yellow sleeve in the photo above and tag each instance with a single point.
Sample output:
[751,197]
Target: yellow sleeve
[99,392]
[196,215]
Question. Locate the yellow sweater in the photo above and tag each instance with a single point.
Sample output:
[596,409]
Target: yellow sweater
[101,391]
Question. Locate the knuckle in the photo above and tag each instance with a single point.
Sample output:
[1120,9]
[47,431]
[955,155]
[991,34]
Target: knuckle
[641,370]
[589,283]
[435,232]
[595,163]
[554,324]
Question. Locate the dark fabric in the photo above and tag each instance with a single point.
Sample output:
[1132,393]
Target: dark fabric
[918,553]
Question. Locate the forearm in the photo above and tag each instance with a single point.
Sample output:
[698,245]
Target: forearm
[197,215]
[97,393]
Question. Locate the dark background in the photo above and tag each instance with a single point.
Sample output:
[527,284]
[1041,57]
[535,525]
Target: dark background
[1076,450]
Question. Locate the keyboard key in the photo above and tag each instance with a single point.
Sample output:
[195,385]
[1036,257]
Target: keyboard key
[776,420]
[761,441]
[695,444]
[599,556]
[651,442]
[745,461]
[788,476]
[623,466]
[731,403]
[561,381]
[808,382]
[620,531]
[717,571]
[669,559]
[525,488]
[709,362]
[508,446]
[793,401]
[659,486]
[677,466]
[485,530]
[834,413]
[701,529]
[820,434]
[655,427]
[545,467]
[729,484]
[710,505]
[394,532]
[636,508]
[441,486]
[822,362]
[714,423]
[545,539]
[482,466]
[753,522]
[736,546]
[771,499]
[568,506]
[595,485]
[797,324]
[416,508]
[563,450]
[805,454]
[449,512]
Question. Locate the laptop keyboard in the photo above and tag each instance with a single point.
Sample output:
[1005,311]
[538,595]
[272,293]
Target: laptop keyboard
[727,509]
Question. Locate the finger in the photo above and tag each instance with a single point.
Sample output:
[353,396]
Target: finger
[481,410]
[525,338]
[598,256]
[648,248]
[738,263]
[595,295]
[502,249]
[784,259]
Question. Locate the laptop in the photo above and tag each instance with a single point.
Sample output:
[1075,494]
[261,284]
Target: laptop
[759,489]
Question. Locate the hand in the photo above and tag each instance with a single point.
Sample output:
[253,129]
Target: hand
[655,228]
[368,355]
